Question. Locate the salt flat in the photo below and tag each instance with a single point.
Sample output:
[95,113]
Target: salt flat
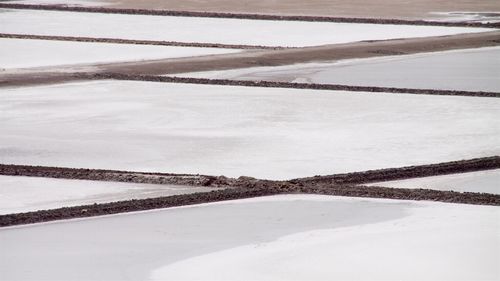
[483,181]
[209,30]
[287,237]
[26,194]
[24,53]
[222,130]
[467,70]
[457,16]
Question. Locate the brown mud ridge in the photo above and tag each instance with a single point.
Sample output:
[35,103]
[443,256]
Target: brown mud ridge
[244,16]
[263,188]
[246,187]
[453,167]
[291,85]
[138,42]
[113,175]
[331,52]
[254,58]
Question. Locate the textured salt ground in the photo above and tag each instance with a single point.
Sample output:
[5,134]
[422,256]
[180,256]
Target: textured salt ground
[163,271]
[27,194]
[209,30]
[401,9]
[51,75]
[483,181]
[25,53]
[464,16]
[301,236]
[234,131]
[466,70]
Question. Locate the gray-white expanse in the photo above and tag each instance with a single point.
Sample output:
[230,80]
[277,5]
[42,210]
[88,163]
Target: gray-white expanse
[467,70]
[23,53]
[268,133]
[483,181]
[468,16]
[80,3]
[288,237]
[209,30]
[26,194]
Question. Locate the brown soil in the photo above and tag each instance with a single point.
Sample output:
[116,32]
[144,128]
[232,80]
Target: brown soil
[260,58]
[52,78]
[260,189]
[246,187]
[404,9]
[113,175]
[364,49]
[462,166]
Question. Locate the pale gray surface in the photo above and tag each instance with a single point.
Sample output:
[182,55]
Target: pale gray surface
[434,241]
[405,235]
[209,30]
[482,17]
[26,194]
[235,131]
[484,181]
[466,70]
[129,247]
[25,53]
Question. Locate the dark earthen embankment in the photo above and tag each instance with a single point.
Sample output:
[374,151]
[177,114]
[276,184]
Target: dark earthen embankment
[247,187]
[273,84]
[261,189]
[137,42]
